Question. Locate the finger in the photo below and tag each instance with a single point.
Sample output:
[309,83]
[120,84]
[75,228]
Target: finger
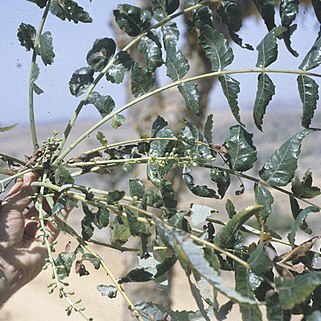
[19,197]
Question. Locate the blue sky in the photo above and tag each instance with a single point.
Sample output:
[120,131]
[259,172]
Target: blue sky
[72,42]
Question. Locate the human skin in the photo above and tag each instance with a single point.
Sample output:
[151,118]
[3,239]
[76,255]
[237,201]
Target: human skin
[22,254]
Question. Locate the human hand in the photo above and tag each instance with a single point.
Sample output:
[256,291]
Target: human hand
[22,254]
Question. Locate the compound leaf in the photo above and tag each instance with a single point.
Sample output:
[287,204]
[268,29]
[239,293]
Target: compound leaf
[99,55]
[45,48]
[231,89]
[131,19]
[241,151]
[141,81]
[280,167]
[296,290]
[69,10]
[27,35]
[264,94]
[309,94]
[80,80]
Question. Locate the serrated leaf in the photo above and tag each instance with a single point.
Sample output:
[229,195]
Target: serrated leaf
[231,89]
[131,19]
[27,35]
[301,220]
[107,290]
[136,187]
[104,104]
[313,57]
[191,96]
[263,197]
[116,72]
[288,11]
[151,49]
[304,188]
[309,94]
[296,290]
[259,261]
[281,166]
[69,10]
[163,8]
[268,48]
[152,311]
[225,235]
[199,213]
[99,55]
[241,151]
[215,47]
[222,179]
[176,63]
[7,128]
[242,286]
[208,129]
[274,311]
[80,80]
[192,256]
[266,10]
[141,81]
[264,94]
[170,33]
[45,48]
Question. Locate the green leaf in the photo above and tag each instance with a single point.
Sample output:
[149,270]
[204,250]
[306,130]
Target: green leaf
[163,8]
[69,10]
[176,63]
[243,286]
[93,259]
[208,129]
[288,11]
[136,275]
[192,257]
[230,208]
[258,260]
[102,217]
[7,128]
[199,213]
[231,89]
[63,264]
[168,194]
[45,48]
[40,3]
[317,9]
[263,197]
[266,10]
[191,96]
[35,74]
[27,35]
[99,55]
[313,57]
[151,49]
[80,80]
[309,94]
[222,179]
[215,47]
[59,205]
[274,311]
[115,196]
[131,19]
[304,188]
[120,232]
[102,139]
[281,166]
[117,121]
[226,234]
[268,48]
[264,94]
[107,290]
[62,176]
[300,220]
[136,188]
[104,104]
[296,290]
[116,72]
[152,311]
[141,81]
[241,151]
